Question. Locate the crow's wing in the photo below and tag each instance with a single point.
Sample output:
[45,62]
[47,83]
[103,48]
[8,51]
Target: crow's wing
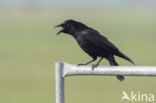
[93,37]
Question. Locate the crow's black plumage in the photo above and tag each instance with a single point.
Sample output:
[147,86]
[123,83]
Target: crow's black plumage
[93,43]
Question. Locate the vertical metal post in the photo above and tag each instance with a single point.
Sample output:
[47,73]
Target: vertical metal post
[59,83]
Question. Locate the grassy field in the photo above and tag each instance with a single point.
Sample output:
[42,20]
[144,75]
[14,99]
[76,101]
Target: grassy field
[29,48]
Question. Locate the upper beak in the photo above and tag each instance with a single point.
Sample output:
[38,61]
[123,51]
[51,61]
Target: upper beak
[57,26]
[60,25]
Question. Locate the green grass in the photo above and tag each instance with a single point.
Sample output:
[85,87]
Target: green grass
[30,47]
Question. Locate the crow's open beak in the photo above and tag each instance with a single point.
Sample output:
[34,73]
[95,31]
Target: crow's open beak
[60,25]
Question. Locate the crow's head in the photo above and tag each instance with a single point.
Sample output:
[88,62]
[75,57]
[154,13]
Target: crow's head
[71,27]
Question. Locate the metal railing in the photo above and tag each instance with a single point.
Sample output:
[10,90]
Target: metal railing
[64,69]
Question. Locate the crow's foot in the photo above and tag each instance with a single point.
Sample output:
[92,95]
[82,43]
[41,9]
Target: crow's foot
[81,64]
[94,66]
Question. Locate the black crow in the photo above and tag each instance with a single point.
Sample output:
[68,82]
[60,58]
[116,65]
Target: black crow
[93,43]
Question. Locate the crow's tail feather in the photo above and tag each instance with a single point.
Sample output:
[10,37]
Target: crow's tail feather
[114,63]
[124,56]
[119,77]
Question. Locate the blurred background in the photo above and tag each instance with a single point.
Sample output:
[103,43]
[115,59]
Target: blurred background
[29,48]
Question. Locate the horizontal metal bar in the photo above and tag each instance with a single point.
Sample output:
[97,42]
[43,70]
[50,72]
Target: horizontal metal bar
[73,70]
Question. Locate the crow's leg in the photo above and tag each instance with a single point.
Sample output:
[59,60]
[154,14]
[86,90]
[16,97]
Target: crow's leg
[88,62]
[95,65]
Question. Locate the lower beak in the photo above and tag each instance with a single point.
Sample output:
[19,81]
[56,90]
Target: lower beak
[59,32]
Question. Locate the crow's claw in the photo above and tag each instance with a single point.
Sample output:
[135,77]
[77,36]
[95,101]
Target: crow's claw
[94,66]
[81,64]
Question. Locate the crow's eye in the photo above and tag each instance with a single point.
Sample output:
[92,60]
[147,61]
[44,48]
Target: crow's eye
[63,25]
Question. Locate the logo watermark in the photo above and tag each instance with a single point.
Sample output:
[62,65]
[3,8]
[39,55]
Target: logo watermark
[137,96]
